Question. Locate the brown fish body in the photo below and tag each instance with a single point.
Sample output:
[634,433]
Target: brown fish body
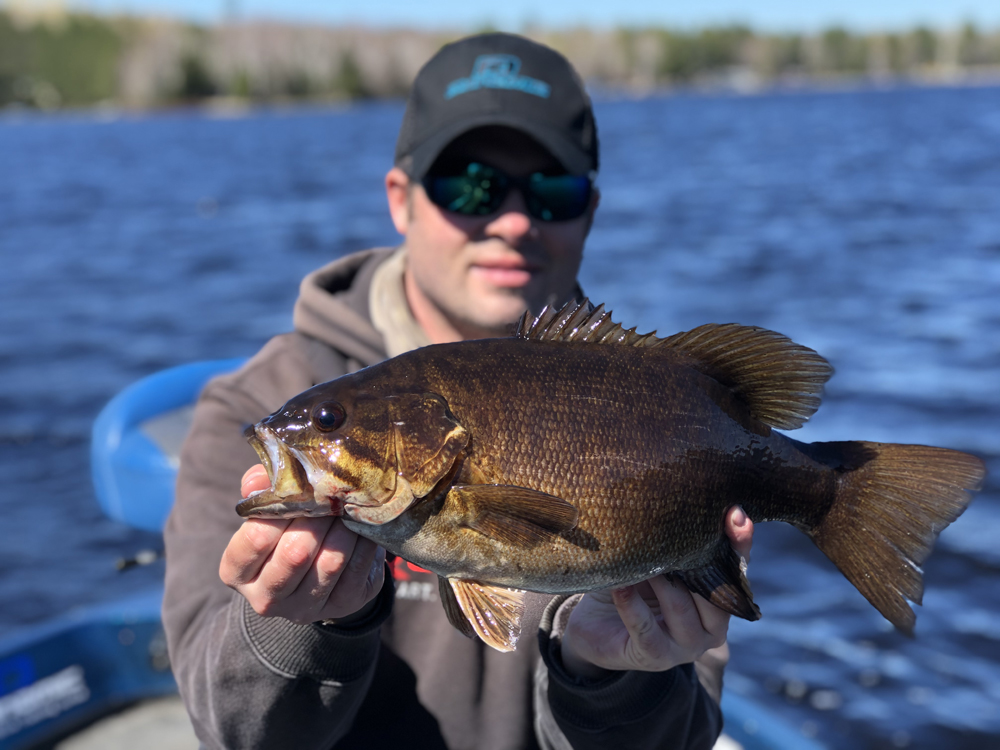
[649,450]
[578,456]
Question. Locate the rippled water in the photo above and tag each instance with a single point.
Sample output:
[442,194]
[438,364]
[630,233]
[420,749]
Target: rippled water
[865,225]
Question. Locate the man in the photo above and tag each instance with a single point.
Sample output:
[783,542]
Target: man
[309,647]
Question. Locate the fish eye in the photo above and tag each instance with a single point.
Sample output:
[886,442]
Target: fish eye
[328,416]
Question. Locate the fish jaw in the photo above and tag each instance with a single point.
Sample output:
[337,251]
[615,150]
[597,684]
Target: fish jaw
[264,504]
[293,492]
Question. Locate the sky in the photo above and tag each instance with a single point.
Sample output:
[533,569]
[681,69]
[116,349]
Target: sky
[511,15]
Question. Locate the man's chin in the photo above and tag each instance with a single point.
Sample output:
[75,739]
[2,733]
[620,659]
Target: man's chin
[495,313]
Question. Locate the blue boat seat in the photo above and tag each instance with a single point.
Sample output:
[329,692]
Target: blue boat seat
[136,439]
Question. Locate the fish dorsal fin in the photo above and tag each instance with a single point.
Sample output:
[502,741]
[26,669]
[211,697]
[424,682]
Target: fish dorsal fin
[580,321]
[780,381]
[492,612]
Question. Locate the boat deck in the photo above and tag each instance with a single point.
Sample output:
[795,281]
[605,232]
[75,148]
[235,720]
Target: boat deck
[157,724]
[162,724]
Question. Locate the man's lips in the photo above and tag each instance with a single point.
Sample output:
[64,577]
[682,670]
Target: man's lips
[506,272]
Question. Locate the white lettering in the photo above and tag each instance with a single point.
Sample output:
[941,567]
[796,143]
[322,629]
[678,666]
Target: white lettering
[45,699]
[419,590]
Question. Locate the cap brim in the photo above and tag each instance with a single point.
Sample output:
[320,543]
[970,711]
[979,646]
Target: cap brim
[568,154]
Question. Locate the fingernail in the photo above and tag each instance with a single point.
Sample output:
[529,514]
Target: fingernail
[739,517]
[622,593]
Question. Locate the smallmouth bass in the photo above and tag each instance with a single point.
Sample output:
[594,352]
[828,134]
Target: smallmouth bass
[578,455]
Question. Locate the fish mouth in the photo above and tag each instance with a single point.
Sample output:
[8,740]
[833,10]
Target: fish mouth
[291,495]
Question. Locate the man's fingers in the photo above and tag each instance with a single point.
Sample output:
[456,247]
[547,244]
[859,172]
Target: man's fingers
[254,480]
[646,636]
[354,578]
[680,613]
[249,549]
[376,575]
[739,529]
[292,558]
[714,621]
[339,547]
[361,579]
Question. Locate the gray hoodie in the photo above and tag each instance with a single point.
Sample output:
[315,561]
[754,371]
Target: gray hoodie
[403,677]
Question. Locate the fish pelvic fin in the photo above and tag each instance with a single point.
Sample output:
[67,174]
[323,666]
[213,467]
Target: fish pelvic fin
[453,609]
[491,612]
[891,503]
[723,582]
[518,516]
[780,381]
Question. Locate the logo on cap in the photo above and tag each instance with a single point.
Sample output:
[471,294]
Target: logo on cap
[497,72]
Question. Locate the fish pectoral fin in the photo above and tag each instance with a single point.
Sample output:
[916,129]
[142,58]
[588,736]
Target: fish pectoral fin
[515,515]
[453,609]
[491,612]
[723,582]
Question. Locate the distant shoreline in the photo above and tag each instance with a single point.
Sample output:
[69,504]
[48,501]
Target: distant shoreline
[224,108]
[75,60]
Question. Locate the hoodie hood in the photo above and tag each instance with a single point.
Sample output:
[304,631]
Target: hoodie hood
[333,306]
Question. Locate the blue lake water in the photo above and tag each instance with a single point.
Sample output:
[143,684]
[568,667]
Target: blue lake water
[865,225]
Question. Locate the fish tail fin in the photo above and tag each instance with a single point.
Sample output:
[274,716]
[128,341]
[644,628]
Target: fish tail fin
[891,503]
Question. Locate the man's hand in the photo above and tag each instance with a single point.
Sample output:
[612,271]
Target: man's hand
[652,626]
[302,569]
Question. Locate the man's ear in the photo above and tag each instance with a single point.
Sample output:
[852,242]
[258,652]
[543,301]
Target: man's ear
[397,191]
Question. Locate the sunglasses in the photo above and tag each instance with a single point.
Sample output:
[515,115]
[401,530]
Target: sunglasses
[480,190]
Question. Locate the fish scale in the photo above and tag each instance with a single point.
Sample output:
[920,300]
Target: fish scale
[611,502]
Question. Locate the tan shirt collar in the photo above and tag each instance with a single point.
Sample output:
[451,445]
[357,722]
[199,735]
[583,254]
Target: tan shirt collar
[390,312]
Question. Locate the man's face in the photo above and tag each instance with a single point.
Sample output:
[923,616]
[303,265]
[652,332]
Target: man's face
[480,273]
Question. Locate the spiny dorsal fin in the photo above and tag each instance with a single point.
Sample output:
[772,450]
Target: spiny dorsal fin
[580,321]
[779,380]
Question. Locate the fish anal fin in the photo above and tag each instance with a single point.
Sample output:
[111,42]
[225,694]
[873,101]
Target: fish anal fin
[779,381]
[492,612]
[723,582]
[453,609]
[516,515]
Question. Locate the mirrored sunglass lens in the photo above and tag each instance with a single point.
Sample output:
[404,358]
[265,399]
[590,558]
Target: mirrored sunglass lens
[478,191]
[559,198]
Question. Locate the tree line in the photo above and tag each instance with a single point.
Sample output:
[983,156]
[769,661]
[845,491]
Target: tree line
[78,59]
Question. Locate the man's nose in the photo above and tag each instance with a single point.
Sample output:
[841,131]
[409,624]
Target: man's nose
[512,222]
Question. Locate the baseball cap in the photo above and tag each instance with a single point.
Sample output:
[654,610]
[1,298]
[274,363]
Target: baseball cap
[497,79]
